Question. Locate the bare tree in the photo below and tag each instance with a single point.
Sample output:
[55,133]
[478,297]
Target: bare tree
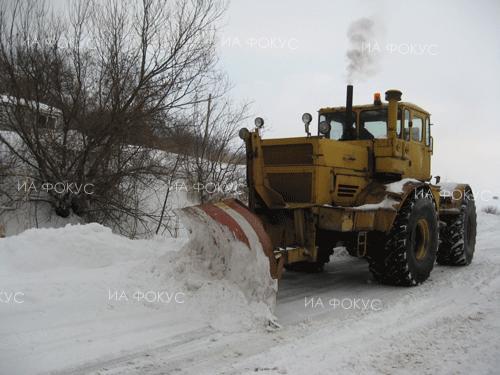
[214,167]
[113,74]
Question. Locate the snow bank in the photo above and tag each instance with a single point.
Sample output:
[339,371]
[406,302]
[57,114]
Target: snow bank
[74,246]
[82,290]
[222,277]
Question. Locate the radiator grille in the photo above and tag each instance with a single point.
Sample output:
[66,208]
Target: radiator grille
[300,154]
[294,187]
[347,190]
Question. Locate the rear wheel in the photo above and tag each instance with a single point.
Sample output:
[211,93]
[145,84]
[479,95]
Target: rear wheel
[458,237]
[407,257]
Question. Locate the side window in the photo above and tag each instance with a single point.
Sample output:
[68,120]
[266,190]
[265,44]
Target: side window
[398,124]
[427,131]
[406,125]
[337,127]
[337,130]
[417,129]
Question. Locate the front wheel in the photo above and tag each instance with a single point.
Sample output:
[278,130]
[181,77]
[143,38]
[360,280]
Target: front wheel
[408,255]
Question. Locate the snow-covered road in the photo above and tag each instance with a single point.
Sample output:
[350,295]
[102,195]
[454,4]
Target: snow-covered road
[335,322]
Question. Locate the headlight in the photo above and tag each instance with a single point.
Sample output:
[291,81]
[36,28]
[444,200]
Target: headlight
[259,122]
[307,118]
[244,134]
[324,127]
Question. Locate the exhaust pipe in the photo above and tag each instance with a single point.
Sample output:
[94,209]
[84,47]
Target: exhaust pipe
[348,115]
[393,97]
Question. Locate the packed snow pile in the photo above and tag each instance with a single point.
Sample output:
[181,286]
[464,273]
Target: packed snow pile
[82,289]
[214,252]
[223,278]
[219,269]
[74,246]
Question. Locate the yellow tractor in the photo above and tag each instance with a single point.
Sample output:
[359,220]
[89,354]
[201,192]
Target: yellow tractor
[362,182]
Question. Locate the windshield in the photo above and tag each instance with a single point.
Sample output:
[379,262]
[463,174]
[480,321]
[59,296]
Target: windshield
[372,124]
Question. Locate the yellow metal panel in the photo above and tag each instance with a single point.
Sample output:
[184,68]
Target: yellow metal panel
[391,165]
[345,154]
[346,219]
[295,255]
[347,188]
[383,147]
[365,220]
[347,223]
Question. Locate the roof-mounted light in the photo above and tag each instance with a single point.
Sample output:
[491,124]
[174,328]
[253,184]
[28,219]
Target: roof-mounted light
[259,122]
[244,134]
[324,127]
[307,118]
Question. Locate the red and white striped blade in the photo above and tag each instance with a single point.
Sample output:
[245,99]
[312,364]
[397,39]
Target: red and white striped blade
[243,225]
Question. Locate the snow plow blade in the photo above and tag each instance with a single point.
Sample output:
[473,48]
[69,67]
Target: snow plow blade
[238,223]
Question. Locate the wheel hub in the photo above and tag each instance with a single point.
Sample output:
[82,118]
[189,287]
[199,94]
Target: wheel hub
[421,238]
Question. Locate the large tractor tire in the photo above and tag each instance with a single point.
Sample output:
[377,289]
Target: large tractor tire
[458,237]
[407,257]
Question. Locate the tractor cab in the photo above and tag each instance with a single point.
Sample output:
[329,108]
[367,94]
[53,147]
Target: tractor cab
[372,122]
[397,133]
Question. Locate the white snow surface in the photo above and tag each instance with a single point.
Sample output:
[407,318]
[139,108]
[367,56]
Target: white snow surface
[12,100]
[397,187]
[387,204]
[68,325]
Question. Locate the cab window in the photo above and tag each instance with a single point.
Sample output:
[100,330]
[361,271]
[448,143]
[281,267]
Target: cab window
[398,124]
[406,125]
[336,122]
[417,128]
[427,131]
[373,124]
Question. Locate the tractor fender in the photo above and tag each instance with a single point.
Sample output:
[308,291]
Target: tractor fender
[415,187]
[409,187]
[376,207]
[451,196]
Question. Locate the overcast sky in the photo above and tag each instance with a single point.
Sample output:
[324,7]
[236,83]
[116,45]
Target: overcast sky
[288,57]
